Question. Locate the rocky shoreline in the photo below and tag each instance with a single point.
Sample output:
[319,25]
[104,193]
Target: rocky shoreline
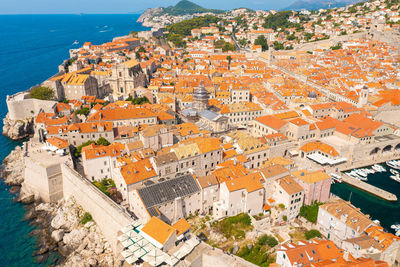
[63,239]
[18,129]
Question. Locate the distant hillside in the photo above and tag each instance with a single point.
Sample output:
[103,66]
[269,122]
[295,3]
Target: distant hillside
[185,7]
[319,4]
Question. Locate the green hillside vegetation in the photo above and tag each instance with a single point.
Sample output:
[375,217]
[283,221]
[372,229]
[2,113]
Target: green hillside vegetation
[185,7]
[279,20]
[185,27]
[178,31]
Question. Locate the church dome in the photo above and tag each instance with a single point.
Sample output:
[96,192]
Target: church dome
[201,94]
[312,94]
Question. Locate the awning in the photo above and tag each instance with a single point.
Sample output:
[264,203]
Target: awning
[293,152]
[321,159]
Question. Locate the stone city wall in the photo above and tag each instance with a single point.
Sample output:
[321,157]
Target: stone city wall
[20,106]
[109,217]
[330,42]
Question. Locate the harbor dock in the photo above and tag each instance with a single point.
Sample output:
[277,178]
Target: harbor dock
[369,188]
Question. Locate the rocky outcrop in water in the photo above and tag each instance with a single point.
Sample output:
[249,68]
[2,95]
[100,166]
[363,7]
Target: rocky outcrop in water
[59,227]
[62,231]
[18,129]
[13,171]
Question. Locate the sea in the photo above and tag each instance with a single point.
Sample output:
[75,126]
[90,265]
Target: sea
[388,213]
[31,48]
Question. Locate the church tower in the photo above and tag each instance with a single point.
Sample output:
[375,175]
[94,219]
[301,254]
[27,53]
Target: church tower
[200,99]
[363,97]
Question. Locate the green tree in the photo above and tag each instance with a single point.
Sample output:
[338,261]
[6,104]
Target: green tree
[137,55]
[267,240]
[229,58]
[102,141]
[291,37]
[352,9]
[337,46]
[313,233]
[228,47]
[278,46]
[242,42]
[308,35]
[83,111]
[256,254]
[310,212]
[278,20]
[42,93]
[255,27]
[185,27]
[78,150]
[261,41]
[138,100]
[176,39]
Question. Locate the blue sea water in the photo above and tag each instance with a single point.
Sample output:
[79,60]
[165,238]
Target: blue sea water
[386,212]
[31,48]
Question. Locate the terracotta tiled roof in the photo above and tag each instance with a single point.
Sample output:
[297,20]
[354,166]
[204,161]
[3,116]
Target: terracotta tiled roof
[158,230]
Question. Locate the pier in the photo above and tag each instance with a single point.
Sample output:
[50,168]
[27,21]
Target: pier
[369,188]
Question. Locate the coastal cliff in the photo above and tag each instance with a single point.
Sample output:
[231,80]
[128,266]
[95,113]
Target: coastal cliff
[18,129]
[60,226]
[149,13]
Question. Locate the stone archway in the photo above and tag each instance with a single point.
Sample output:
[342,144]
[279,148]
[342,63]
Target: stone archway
[397,147]
[387,149]
[375,151]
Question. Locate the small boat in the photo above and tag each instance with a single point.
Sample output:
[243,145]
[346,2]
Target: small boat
[395,177]
[393,164]
[394,172]
[395,226]
[361,172]
[336,177]
[363,178]
[378,168]
[76,42]
[352,174]
[369,171]
[376,222]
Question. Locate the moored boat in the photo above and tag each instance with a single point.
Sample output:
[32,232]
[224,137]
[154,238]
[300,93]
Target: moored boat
[361,172]
[393,164]
[395,177]
[336,177]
